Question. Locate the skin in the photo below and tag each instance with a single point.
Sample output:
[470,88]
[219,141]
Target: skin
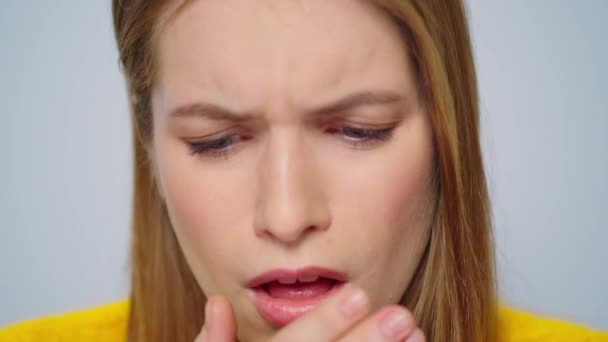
[294,187]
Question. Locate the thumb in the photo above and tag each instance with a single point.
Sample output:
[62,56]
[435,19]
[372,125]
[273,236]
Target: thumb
[220,325]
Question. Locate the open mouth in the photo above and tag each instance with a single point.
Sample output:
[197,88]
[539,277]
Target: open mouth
[299,290]
[283,296]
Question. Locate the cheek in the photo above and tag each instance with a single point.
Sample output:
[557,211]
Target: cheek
[188,206]
[391,220]
[200,200]
[394,187]
[398,196]
[385,204]
[202,207]
[394,220]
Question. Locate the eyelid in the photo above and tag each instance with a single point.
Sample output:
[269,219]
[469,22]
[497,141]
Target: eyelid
[212,136]
[370,137]
[204,148]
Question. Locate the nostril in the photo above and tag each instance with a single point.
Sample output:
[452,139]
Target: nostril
[287,235]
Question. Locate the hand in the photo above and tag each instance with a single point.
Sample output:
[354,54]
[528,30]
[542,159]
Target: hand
[339,318]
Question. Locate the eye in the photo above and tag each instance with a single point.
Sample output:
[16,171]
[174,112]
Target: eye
[216,148]
[358,138]
[363,137]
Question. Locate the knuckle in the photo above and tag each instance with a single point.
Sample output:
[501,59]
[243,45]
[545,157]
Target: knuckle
[396,322]
[381,325]
[328,321]
[407,315]
[418,335]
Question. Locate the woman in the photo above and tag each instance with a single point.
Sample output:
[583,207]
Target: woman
[304,170]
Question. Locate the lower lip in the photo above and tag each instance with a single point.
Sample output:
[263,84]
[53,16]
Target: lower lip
[282,311]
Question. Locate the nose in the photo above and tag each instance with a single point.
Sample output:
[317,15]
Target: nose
[290,201]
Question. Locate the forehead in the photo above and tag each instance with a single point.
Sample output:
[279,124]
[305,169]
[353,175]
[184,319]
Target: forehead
[251,50]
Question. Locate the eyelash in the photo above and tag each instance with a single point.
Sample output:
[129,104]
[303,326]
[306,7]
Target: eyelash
[366,138]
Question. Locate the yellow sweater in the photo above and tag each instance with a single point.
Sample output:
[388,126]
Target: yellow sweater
[108,323]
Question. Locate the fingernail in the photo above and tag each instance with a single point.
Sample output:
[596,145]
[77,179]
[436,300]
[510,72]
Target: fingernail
[354,303]
[393,324]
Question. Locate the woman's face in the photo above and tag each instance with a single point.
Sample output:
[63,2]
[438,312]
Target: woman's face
[289,134]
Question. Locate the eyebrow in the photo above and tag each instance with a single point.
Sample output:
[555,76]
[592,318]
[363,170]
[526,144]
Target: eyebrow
[350,102]
[361,99]
[209,111]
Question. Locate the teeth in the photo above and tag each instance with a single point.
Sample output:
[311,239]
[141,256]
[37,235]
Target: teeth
[287,281]
[308,279]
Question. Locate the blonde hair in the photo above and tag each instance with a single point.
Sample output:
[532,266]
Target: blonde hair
[452,294]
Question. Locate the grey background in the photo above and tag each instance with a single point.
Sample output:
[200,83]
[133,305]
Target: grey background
[65,167]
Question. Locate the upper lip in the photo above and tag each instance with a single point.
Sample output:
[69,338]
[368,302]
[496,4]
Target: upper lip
[310,271]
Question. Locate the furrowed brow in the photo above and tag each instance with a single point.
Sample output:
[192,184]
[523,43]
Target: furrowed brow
[360,99]
[209,111]
[350,102]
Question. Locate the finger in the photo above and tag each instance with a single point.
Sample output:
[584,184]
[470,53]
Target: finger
[416,336]
[220,323]
[392,323]
[330,319]
[202,336]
